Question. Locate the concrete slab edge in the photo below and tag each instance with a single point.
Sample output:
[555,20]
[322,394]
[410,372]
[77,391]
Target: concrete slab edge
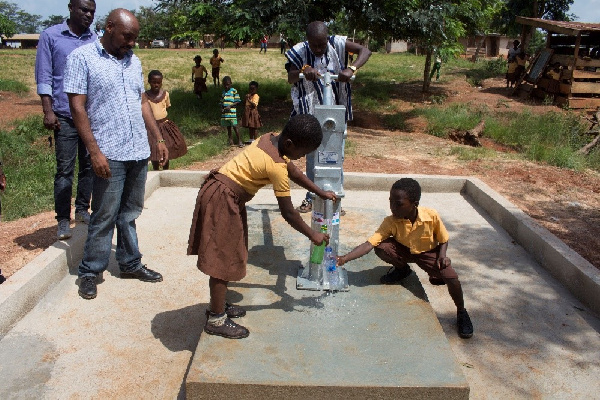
[24,289]
[28,285]
[578,275]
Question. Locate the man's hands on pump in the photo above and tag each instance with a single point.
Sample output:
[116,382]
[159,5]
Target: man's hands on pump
[311,74]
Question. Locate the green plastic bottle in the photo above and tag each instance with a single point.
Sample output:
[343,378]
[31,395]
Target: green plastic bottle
[316,257]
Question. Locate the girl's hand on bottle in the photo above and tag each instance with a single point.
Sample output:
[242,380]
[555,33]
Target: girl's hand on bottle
[341,260]
[318,238]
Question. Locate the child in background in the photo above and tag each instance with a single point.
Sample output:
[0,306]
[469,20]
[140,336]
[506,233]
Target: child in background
[199,74]
[251,118]
[159,102]
[554,73]
[219,232]
[229,100]
[414,234]
[215,62]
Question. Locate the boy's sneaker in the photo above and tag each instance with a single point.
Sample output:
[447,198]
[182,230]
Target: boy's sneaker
[226,328]
[306,206]
[82,216]
[64,229]
[465,326]
[395,275]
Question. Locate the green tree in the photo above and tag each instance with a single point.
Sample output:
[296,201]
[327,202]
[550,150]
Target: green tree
[154,24]
[24,22]
[52,20]
[7,27]
[557,10]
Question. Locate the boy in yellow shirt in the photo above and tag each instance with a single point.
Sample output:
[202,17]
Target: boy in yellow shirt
[414,234]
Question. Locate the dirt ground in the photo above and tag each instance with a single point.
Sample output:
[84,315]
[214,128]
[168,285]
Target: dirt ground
[566,202]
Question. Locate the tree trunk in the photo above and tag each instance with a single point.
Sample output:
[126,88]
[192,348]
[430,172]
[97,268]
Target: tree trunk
[426,77]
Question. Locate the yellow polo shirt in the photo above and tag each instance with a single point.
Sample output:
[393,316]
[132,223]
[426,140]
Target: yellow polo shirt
[425,234]
[258,165]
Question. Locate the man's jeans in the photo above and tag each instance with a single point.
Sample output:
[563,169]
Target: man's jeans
[69,145]
[118,200]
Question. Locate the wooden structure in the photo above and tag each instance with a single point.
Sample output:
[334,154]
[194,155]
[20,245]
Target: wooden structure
[576,46]
[20,41]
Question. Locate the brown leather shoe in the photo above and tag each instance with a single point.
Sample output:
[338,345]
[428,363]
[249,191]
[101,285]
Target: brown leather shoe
[227,329]
[234,311]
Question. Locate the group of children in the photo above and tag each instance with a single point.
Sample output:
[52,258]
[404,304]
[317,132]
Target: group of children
[219,232]
[411,234]
[174,140]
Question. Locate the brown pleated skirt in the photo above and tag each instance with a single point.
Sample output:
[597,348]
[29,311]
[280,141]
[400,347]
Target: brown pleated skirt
[200,85]
[173,139]
[251,118]
[219,232]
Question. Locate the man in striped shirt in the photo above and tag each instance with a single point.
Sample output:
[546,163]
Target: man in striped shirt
[111,113]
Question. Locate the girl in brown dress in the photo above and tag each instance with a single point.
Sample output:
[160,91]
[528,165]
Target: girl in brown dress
[159,102]
[251,118]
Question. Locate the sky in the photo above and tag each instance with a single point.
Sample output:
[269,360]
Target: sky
[586,10]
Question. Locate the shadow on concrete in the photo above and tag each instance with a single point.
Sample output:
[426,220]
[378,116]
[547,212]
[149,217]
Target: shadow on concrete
[180,330]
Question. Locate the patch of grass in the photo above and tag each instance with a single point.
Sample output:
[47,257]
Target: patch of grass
[9,85]
[396,121]
[350,148]
[465,153]
[484,69]
[442,120]
[553,137]
[29,165]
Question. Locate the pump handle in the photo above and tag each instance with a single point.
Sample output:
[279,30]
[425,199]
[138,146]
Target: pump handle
[333,77]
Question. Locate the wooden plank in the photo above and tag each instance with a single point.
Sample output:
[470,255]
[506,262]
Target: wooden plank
[588,63]
[546,26]
[560,100]
[566,74]
[585,87]
[580,102]
[563,59]
[581,74]
[576,52]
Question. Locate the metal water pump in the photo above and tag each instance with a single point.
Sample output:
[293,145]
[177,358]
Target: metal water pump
[328,170]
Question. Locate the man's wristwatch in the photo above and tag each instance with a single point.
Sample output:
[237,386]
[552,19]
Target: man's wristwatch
[353,68]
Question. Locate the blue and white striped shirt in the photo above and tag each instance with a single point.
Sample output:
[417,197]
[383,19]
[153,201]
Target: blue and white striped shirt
[306,94]
[114,100]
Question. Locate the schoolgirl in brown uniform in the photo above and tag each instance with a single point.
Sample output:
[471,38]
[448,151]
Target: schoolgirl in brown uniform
[159,101]
[219,232]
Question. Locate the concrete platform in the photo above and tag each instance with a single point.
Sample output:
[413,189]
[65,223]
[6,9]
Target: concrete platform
[533,301]
[374,341]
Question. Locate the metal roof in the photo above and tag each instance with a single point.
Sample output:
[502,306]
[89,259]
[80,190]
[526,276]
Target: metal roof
[565,27]
[23,36]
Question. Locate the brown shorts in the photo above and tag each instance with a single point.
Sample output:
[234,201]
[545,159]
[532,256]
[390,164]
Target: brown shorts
[397,254]
[215,72]
[219,232]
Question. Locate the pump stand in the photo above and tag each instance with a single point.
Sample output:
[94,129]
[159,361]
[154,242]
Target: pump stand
[328,171]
